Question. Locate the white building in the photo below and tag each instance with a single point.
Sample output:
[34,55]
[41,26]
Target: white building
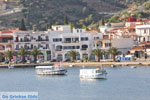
[79,40]
[30,40]
[55,44]
[2,5]
[123,44]
[143,32]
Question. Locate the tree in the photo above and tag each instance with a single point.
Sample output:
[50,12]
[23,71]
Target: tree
[22,25]
[102,22]
[114,52]
[9,55]
[85,27]
[71,27]
[73,54]
[23,53]
[86,58]
[98,53]
[35,52]
[66,20]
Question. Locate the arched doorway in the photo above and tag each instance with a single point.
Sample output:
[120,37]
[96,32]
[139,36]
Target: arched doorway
[59,57]
[67,57]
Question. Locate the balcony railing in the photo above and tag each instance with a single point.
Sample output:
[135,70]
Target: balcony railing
[22,40]
[42,40]
[83,48]
[71,42]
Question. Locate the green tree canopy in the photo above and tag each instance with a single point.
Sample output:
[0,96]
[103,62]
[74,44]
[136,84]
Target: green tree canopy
[23,52]
[73,54]
[9,54]
[22,25]
[35,52]
[114,52]
[98,53]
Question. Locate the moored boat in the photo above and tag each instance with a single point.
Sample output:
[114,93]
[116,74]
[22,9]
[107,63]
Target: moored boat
[51,70]
[10,66]
[113,66]
[98,73]
[133,66]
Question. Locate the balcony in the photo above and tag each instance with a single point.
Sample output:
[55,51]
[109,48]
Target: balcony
[83,48]
[23,41]
[42,39]
[16,48]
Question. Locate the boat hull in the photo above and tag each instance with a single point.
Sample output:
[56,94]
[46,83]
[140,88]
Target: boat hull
[93,73]
[10,66]
[93,76]
[49,72]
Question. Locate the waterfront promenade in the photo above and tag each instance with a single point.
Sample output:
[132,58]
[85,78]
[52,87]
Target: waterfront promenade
[79,64]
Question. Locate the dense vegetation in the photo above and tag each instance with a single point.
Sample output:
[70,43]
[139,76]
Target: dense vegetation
[40,14]
[138,11]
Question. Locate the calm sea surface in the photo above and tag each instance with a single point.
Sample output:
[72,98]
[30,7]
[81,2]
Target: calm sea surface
[123,83]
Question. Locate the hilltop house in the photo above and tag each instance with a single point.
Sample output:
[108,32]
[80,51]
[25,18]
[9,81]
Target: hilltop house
[2,5]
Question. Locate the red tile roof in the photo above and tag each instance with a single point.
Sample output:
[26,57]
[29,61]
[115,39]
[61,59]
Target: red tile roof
[130,27]
[6,36]
[92,31]
[139,20]
[145,42]
[131,19]
[11,31]
[138,48]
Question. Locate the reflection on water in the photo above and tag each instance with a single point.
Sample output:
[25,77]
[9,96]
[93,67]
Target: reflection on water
[122,83]
[82,80]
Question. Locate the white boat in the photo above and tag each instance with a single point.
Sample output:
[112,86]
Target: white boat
[97,73]
[71,65]
[133,66]
[113,65]
[10,66]
[50,70]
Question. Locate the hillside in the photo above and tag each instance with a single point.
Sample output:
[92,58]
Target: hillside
[138,11]
[111,5]
[40,14]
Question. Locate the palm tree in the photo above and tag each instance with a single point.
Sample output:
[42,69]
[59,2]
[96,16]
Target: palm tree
[23,52]
[98,53]
[9,55]
[35,52]
[86,58]
[114,52]
[73,54]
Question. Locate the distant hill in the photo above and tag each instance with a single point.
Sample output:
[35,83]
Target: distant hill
[111,5]
[40,14]
[137,10]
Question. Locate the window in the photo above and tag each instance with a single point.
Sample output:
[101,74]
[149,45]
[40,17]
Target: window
[73,47]
[57,39]
[107,45]
[96,38]
[145,31]
[78,47]
[84,39]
